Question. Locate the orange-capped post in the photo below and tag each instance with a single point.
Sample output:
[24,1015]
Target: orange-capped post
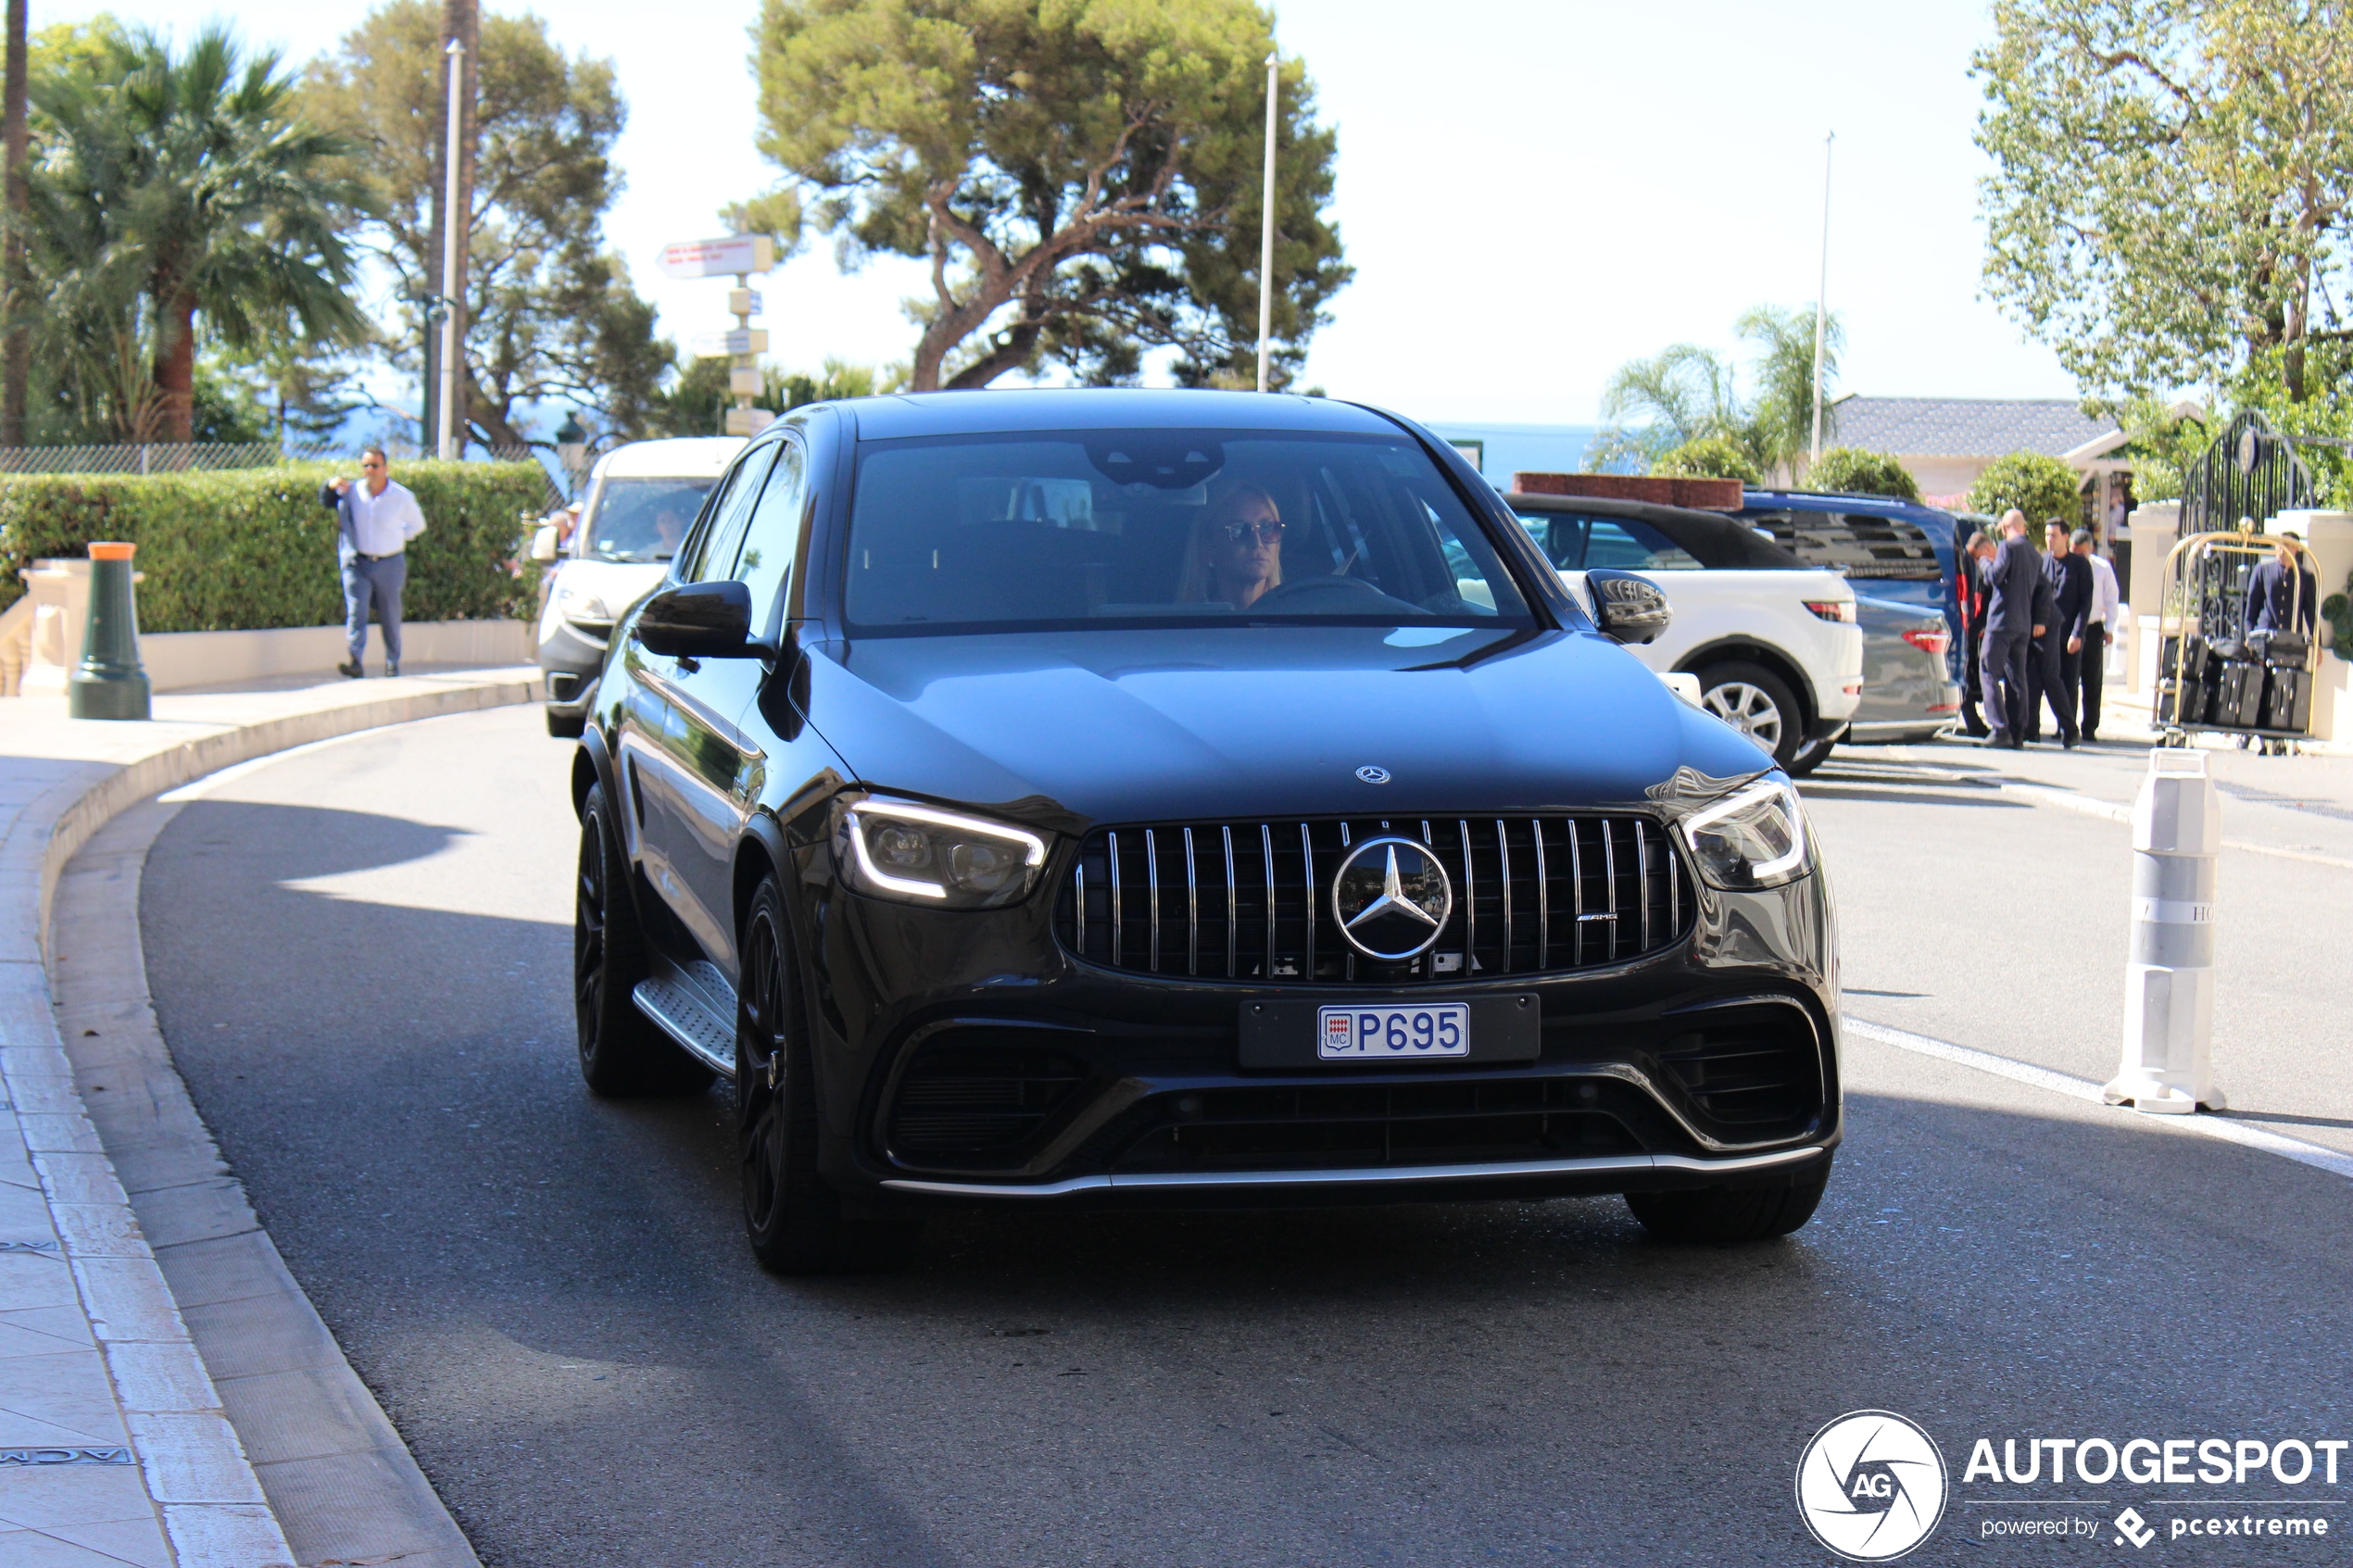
[109,681]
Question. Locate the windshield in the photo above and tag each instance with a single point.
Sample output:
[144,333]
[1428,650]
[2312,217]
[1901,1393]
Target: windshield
[644,519]
[1178,527]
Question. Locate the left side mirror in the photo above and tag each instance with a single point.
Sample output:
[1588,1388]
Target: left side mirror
[698,620]
[1629,608]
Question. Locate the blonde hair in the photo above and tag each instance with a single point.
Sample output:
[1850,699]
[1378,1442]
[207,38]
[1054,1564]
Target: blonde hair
[1194,586]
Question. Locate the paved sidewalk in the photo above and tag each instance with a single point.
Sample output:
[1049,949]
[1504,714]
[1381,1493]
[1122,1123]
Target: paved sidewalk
[114,1444]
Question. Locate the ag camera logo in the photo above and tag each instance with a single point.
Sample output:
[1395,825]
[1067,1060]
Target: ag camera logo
[1871,1485]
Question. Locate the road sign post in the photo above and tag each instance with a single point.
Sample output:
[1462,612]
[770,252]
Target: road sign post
[739,256]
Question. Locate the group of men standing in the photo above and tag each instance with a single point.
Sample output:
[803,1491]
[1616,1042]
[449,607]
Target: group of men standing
[2039,623]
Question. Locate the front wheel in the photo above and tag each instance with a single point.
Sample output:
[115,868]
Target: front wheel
[796,1223]
[1758,704]
[1723,1215]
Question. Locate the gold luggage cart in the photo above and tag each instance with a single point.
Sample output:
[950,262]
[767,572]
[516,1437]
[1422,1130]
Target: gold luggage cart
[2213,675]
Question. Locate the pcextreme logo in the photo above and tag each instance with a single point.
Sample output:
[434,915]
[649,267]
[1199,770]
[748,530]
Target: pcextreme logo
[1871,1485]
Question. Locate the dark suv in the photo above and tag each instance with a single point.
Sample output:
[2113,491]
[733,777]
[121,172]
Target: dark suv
[1121,797]
[1888,549]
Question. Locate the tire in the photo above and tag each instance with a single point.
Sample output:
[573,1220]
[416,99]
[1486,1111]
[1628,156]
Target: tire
[566,726]
[622,1052]
[796,1223]
[1758,703]
[1722,1216]
[1810,756]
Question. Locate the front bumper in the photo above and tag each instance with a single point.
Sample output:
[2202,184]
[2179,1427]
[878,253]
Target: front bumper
[986,1064]
[570,661]
[1391,1184]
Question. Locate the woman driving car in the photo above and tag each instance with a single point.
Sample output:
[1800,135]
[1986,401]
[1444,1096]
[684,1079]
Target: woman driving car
[1236,553]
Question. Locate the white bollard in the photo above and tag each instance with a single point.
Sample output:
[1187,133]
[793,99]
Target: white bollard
[2168,975]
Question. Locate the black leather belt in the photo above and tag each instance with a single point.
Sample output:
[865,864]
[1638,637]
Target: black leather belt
[363,555]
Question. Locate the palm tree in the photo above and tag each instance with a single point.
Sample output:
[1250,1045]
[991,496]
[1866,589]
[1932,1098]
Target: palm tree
[1681,394]
[1781,420]
[179,187]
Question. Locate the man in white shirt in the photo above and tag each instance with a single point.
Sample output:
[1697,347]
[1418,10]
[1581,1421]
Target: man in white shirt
[2099,625]
[375,519]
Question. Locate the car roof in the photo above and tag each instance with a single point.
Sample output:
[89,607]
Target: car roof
[1834,500]
[1011,410]
[1705,533]
[690,456]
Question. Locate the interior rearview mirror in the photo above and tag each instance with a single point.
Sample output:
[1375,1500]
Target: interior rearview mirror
[698,620]
[1629,608]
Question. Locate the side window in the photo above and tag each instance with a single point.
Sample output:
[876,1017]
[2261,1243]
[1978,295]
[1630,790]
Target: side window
[1858,544]
[712,554]
[773,541]
[1631,546]
[1560,536]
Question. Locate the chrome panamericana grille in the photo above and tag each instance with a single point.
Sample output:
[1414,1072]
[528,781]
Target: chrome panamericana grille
[1251,900]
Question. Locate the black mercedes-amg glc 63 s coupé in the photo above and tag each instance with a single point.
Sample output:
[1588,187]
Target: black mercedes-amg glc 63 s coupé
[1117,798]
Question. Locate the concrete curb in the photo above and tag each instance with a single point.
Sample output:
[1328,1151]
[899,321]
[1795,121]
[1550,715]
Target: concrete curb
[335,1472]
[141,1401]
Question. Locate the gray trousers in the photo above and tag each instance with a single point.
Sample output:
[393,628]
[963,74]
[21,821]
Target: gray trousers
[379,581]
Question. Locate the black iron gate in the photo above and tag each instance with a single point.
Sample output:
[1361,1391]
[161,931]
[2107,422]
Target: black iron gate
[2250,471]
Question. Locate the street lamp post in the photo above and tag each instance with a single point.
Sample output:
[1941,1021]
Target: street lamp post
[1266,225]
[445,440]
[1822,296]
[572,449]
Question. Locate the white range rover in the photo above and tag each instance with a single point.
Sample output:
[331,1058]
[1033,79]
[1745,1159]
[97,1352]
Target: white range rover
[1773,643]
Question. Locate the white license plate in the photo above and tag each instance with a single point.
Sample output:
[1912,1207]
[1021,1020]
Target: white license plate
[1391,1034]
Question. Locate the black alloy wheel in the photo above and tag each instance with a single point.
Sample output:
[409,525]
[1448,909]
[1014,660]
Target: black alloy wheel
[1722,1215]
[621,1051]
[797,1223]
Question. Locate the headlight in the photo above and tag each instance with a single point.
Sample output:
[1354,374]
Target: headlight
[1753,838]
[579,605]
[922,855]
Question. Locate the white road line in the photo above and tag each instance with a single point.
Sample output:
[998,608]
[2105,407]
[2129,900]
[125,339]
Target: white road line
[2240,1133]
[2072,800]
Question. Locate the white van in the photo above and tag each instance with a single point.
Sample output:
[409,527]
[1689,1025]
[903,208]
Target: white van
[642,499]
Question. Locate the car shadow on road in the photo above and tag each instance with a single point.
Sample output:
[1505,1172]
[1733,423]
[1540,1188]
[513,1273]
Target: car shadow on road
[551,1293]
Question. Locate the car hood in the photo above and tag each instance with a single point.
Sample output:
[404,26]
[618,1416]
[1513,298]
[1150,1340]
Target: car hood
[1153,726]
[618,583]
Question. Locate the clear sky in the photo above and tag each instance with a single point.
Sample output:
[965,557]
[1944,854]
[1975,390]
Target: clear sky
[1531,193]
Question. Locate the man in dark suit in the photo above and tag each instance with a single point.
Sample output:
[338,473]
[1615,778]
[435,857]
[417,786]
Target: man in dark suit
[2281,594]
[2012,579]
[2057,668]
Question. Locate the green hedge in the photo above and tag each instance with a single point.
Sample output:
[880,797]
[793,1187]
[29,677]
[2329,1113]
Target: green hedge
[246,549]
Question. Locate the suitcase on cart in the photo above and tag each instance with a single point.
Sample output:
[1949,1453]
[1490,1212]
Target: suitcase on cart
[2287,700]
[2239,697]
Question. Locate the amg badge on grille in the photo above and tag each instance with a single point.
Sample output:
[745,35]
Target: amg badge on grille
[1391,898]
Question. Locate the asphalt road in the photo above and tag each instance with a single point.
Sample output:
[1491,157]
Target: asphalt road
[359,956]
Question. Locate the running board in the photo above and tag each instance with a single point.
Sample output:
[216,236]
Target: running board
[680,1005]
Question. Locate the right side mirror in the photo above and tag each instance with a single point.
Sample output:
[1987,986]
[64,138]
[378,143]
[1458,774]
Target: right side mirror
[1629,608]
[543,541]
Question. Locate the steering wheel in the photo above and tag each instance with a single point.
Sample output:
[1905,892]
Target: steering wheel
[1330,596]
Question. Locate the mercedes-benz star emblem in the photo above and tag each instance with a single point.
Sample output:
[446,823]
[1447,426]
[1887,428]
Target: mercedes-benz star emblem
[1391,898]
[1372,772]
